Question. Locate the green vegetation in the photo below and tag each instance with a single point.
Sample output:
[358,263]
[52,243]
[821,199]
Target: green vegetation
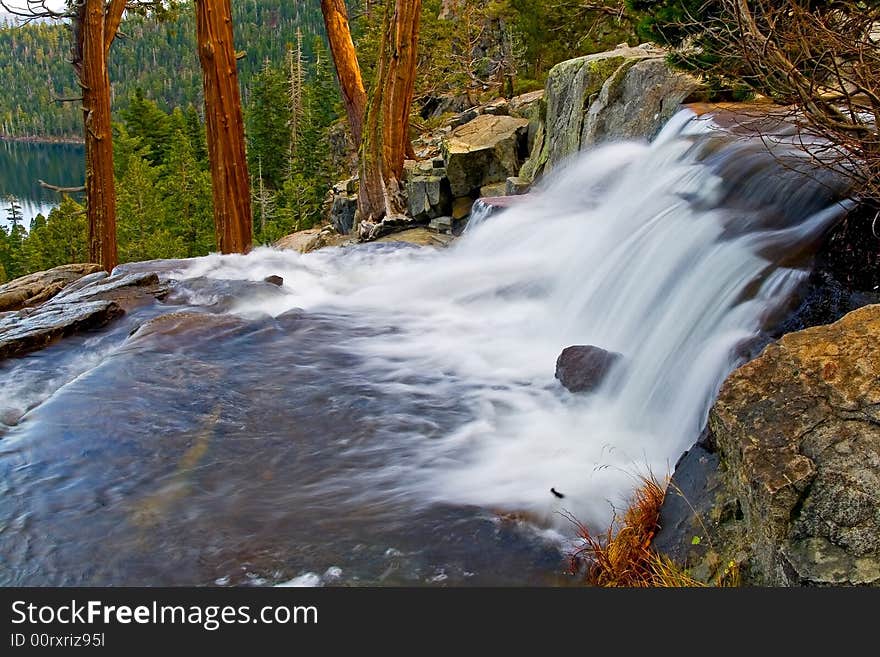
[499,47]
[297,143]
[288,117]
[156,57]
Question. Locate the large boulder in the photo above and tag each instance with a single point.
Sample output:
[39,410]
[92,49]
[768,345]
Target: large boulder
[526,106]
[530,106]
[89,303]
[41,286]
[793,494]
[34,328]
[489,149]
[427,190]
[302,240]
[343,205]
[627,93]
[312,239]
[582,368]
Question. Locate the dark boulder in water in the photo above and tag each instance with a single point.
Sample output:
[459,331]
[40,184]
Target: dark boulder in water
[582,368]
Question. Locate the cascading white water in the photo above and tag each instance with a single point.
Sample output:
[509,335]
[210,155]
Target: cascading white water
[647,250]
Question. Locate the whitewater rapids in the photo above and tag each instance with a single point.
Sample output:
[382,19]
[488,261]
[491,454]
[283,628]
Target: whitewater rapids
[653,251]
[374,417]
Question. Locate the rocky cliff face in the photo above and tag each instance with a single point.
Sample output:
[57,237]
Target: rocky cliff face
[627,93]
[790,484]
[500,148]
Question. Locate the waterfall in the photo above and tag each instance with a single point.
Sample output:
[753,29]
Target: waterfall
[667,253]
[376,415]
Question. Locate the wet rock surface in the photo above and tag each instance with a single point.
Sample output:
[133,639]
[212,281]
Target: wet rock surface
[582,368]
[34,289]
[33,329]
[419,237]
[126,289]
[90,303]
[799,456]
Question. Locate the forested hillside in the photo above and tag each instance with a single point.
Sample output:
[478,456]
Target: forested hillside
[484,38]
[158,58]
[297,147]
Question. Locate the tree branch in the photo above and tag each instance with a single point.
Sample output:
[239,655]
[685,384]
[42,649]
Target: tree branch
[61,190]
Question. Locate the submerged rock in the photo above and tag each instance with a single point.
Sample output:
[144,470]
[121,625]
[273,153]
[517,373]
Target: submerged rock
[419,236]
[798,438]
[582,368]
[41,286]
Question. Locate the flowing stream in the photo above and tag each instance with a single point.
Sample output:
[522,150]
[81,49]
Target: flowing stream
[390,414]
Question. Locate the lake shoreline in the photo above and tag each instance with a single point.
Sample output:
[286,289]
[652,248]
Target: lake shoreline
[36,139]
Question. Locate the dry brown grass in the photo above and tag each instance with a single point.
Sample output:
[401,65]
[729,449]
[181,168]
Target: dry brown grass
[623,557]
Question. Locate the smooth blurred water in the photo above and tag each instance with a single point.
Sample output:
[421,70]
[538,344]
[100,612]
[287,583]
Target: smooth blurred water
[390,415]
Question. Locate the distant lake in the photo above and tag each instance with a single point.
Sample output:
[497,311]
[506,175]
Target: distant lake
[23,165]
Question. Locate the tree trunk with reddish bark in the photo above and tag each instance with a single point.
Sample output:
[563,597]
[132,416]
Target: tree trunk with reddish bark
[225,126]
[95,29]
[348,71]
[385,141]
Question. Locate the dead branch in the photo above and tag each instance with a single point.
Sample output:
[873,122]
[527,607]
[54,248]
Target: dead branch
[61,190]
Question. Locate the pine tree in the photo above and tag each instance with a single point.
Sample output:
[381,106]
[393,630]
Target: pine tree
[13,211]
[300,200]
[142,233]
[265,202]
[146,121]
[296,81]
[187,204]
[5,254]
[195,131]
[268,124]
[13,240]
[59,239]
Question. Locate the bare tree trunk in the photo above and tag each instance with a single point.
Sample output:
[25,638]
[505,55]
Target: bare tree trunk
[348,70]
[385,140]
[296,81]
[225,126]
[91,49]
